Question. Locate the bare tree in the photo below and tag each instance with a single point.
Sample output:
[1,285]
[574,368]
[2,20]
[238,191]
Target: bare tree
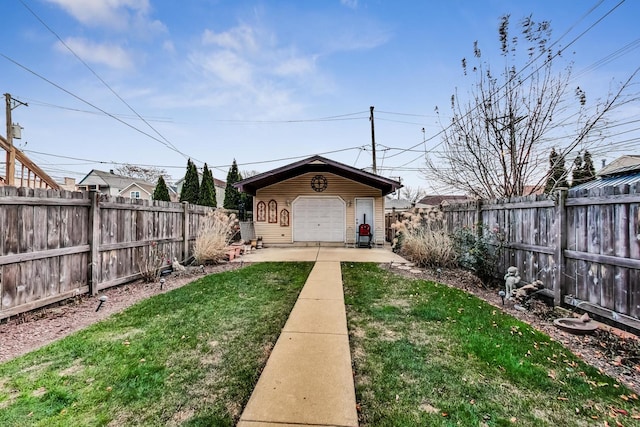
[412,194]
[497,141]
[249,173]
[145,173]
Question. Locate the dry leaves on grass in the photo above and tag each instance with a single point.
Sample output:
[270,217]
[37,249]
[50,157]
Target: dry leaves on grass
[613,353]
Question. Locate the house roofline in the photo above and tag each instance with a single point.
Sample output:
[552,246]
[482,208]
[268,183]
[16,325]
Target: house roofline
[316,164]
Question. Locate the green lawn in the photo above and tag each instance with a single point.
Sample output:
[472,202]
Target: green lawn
[188,357]
[428,355]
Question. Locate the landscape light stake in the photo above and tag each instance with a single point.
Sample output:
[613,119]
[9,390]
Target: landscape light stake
[502,295]
[161,283]
[103,299]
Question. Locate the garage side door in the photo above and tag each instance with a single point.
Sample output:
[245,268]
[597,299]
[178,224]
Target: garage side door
[318,219]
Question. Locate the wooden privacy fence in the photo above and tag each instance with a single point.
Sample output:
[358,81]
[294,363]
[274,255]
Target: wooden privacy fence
[391,218]
[60,244]
[583,245]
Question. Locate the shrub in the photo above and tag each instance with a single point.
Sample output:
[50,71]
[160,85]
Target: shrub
[479,250]
[150,265]
[216,232]
[421,238]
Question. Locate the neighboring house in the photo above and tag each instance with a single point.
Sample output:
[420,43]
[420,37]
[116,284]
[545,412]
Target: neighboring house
[138,190]
[220,186]
[401,205]
[117,185]
[69,184]
[621,165]
[317,200]
[443,200]
[530,190]
[624,170]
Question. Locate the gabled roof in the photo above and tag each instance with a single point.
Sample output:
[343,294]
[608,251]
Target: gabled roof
[401,204]
[317,164]
[147,188]
[625,164]
[437,199]
[102,178]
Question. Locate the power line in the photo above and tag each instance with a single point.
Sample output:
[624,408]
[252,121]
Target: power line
[83,100]
[91,161]
[167,143]
[33,102]
[341,117]
[531,62]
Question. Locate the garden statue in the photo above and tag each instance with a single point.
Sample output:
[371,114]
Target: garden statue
[176,265]
[511,280]
[524,292]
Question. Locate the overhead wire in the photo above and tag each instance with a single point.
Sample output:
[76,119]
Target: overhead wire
[330,118]
[33,102]
[91,161]
[531,62]
[341,117]
[167,143]
[68,92]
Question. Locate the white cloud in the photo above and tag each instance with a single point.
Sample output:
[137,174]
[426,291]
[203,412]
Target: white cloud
[226,66]
[241,38]
[168,46]
[122,15]
[107,54]
[295,66]
[246,68]
[250,57]
[353,4]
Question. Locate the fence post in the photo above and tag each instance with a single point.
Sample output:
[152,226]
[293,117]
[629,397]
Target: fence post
[94,241]
[185,231]
[478,223]
[561,243]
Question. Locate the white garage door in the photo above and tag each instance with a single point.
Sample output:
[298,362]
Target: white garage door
[318,219]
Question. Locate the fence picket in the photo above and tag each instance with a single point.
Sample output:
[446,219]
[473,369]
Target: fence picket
[584,249]
[59,244]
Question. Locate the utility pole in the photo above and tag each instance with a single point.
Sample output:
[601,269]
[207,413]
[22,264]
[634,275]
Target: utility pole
[373,141]
[11,151]
[400,181]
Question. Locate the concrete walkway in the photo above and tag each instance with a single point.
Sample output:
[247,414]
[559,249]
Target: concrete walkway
[321,253]
[308,379]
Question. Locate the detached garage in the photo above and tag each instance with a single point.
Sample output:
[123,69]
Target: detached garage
[317,200]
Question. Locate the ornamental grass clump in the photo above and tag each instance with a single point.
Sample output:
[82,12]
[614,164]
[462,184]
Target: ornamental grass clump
[216,233]
[422,238]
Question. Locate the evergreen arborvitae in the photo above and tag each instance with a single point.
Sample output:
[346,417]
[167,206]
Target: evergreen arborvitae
[231,193]
[588,170]
[207,189]
[577,172]
[557,173]
[191,186]
[161,191]
[583,169]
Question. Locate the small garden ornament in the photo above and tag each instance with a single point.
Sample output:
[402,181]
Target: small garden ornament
[511,280]
[524,292]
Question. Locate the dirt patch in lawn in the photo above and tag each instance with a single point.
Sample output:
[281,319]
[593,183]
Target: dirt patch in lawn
[613,352]
[29,331]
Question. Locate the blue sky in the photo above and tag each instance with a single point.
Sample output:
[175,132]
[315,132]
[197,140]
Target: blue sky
[271,82]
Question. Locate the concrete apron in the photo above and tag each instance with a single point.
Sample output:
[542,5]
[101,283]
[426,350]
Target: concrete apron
[321,253]
[308,379]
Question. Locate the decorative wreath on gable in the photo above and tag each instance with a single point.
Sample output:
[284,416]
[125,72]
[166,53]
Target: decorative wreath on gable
[319,183]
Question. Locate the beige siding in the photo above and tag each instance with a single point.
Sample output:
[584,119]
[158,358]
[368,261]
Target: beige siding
[285,192]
